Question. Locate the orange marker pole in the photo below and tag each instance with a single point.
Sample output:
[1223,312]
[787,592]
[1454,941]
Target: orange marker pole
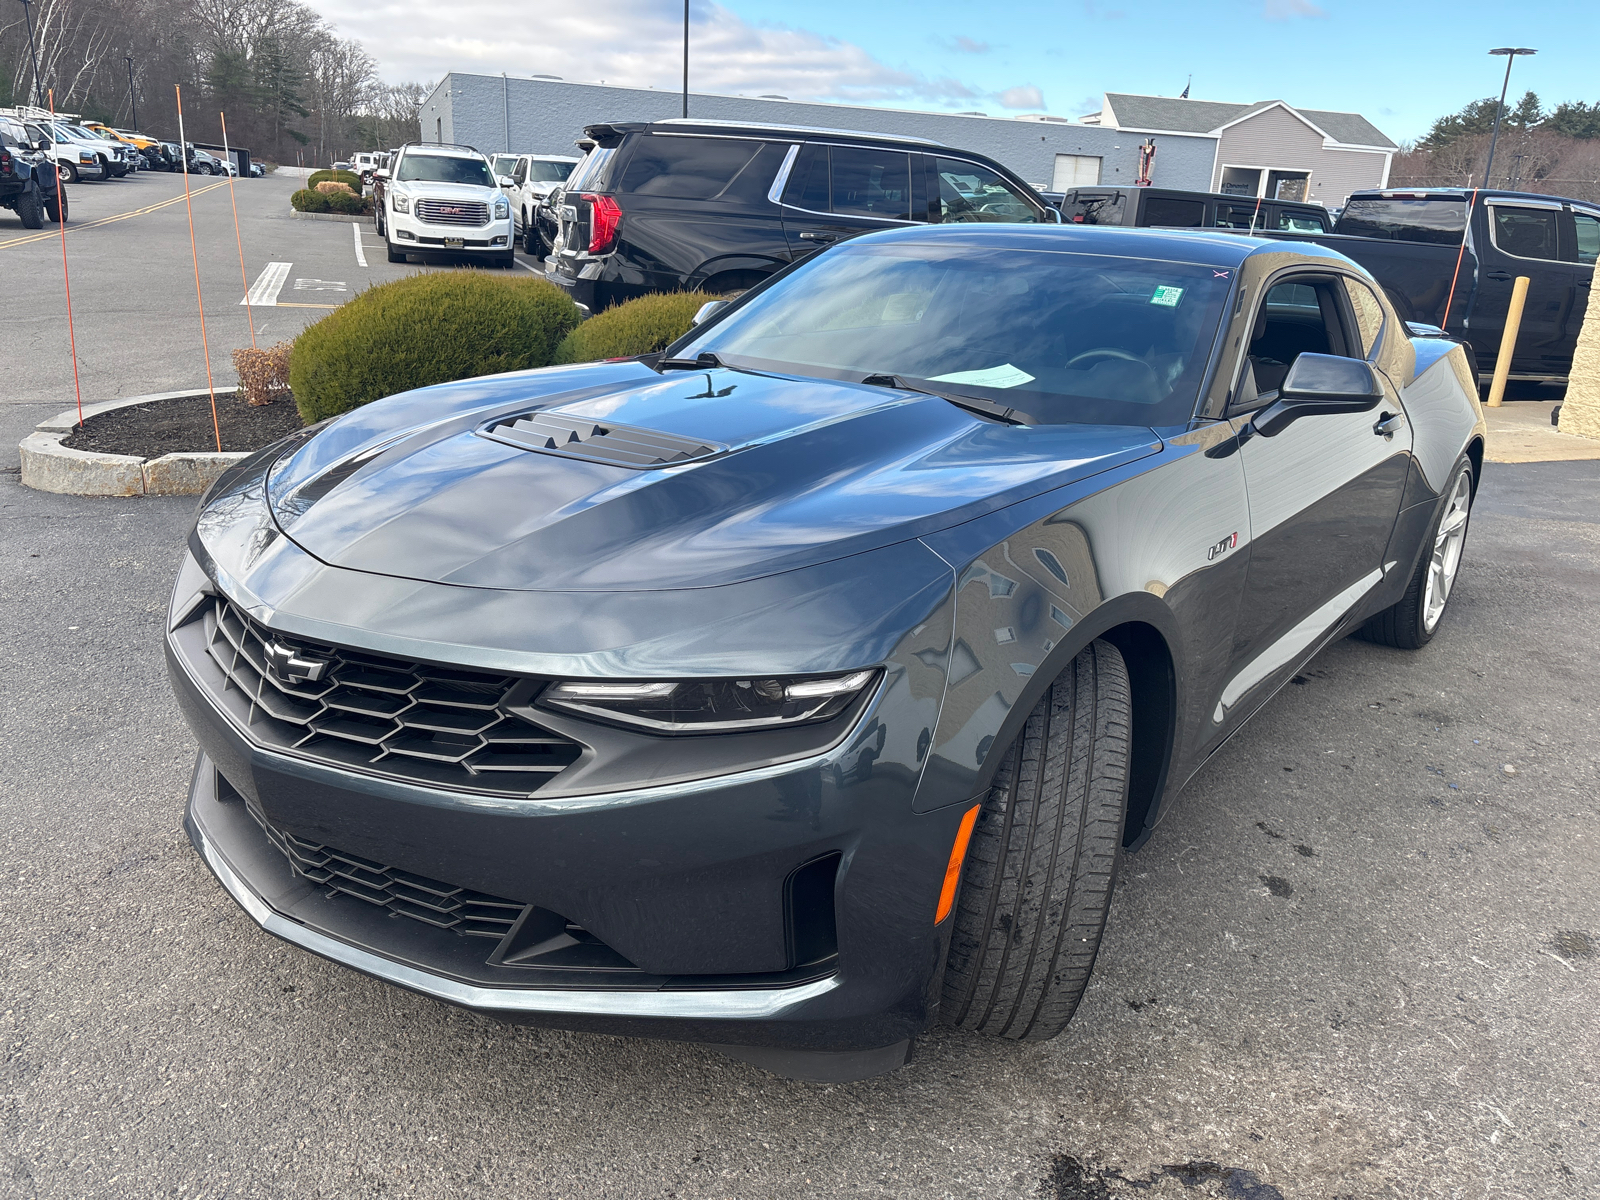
[61,214]
[194,252]
[238,239]
[1460,254]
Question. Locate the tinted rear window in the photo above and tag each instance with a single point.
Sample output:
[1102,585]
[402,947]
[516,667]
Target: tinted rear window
[685,168]
[1092,208]
[1440,222]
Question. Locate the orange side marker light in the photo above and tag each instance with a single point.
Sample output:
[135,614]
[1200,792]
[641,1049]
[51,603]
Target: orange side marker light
[958,855]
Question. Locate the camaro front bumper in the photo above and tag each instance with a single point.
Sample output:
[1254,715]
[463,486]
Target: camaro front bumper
[692,882]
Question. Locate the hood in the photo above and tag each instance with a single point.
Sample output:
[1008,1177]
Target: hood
[444,191]
[794,472]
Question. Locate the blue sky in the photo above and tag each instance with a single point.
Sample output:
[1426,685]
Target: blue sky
[1401,64]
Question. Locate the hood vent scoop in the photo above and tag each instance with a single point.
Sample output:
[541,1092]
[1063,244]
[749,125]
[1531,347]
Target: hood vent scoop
[602,442]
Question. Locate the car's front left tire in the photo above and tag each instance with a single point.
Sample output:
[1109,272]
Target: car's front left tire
[1410,623]
[1043,858]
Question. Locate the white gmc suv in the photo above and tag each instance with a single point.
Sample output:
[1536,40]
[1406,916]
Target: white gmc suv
[442,199]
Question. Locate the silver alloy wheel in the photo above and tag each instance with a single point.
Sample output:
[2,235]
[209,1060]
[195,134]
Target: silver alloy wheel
[1448,541]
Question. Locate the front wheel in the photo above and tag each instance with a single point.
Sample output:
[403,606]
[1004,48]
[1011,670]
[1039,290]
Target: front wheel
[1043,858]
[395,256]
[69,173]
[1411,623]
[57,205]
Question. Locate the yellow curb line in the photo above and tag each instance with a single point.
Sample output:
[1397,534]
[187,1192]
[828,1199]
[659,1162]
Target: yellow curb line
[138,212]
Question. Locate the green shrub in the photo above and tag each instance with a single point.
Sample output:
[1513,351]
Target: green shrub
[307,200]
[640,326]
[422,330]
[349,203]
[346,177]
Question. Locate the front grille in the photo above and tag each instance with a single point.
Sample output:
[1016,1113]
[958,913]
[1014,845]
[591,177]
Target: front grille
[452,212]
[469,913]
[394,717]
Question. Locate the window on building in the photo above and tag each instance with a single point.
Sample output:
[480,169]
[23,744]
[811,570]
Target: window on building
[1075,170]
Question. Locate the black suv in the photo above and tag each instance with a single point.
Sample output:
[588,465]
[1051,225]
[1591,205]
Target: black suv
[29,185]
[680,205]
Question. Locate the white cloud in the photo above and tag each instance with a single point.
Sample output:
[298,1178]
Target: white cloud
[1285,10]
[966,45]
[635,43]
[1022,96]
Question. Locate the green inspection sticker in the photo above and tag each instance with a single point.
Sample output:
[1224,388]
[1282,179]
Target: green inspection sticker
[1166,296]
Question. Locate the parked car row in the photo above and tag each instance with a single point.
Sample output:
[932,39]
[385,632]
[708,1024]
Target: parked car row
[94,152]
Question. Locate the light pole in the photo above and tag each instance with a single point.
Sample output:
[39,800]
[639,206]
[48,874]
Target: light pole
[38,95]
[685,57]
[1511,54]
[132,99]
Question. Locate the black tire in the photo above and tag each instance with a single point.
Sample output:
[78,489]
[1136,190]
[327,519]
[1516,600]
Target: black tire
[508,260]
[1043,859]
[31,209]
[395,256]
[59,208]
[377,219]
[531,242]
[1405,625]
[731,284]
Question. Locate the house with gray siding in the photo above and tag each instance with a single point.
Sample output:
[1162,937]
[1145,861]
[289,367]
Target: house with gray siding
[1269,148]
[545,116]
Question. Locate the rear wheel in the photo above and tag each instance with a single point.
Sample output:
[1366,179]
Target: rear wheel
[57,205]
[1043,858]
[1411,623]
[730,284]
[31,209]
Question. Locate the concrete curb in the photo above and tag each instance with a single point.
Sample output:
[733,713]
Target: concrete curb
[48,466]
[348,218]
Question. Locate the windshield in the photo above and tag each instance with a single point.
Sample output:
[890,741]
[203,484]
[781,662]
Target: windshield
[441,168]
[548,172]
[1063,337]
[1440,221]
[505,164]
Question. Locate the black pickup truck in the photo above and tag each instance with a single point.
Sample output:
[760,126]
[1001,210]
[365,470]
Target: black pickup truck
[1412,242]
[29,185]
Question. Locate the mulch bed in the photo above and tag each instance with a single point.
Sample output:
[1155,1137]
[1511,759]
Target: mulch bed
[184,427]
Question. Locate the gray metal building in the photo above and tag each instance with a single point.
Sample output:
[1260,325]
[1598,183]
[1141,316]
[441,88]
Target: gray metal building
[543,116]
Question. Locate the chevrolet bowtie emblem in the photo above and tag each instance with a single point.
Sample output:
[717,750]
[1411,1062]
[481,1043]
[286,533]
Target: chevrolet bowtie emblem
[285,664]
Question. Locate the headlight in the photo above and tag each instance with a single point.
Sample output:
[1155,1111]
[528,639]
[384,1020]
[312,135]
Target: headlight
[712,705]
[399,203]
[502,209]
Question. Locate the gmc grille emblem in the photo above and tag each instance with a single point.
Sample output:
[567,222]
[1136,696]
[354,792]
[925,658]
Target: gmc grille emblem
[451,211]
[285,664]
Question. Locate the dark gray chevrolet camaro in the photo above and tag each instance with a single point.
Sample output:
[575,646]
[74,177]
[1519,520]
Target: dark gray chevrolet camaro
[802,686]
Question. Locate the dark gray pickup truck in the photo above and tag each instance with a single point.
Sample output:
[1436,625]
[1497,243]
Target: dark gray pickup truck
[1411,241]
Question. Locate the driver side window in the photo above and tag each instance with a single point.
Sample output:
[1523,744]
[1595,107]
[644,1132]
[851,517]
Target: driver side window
[1299,315]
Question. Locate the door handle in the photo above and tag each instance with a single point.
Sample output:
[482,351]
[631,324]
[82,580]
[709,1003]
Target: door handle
[1502,276]
[1388,425]
[809,236]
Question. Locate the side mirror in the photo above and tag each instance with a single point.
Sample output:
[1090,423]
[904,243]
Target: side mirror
[505,181]
[381,173]
[1316,384]
[708,310]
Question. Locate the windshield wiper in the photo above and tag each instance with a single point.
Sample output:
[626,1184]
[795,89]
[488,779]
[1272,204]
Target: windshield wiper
[973,404]
[698,363]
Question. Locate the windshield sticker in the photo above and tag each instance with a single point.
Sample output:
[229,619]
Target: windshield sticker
[1167,296]
[1005,376]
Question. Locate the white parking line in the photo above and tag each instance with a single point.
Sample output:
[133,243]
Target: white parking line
[361,255]
[264,292]
[526,267]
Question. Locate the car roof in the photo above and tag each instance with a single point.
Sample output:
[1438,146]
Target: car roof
[1214,248]
[445,148]
[1091,191]
[674,124]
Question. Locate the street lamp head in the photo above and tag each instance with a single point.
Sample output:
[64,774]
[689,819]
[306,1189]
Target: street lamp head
[1513,50]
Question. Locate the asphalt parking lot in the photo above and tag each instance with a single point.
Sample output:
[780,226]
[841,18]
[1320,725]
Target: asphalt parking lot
[1358,960]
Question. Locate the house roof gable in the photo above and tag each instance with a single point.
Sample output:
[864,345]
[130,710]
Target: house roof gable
[1170,114]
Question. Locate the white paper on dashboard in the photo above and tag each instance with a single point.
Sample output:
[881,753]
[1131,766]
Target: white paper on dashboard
[1005,376]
